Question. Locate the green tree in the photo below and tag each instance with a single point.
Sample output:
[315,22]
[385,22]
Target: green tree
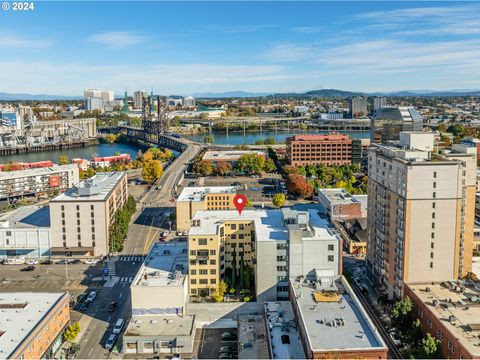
[250,163]
[456,129]
[279,199]
[402,315]
[71,332]
[209,139]
[152,171]
[203,167]
[222,168]
[430,348]
[290,169]
[269,166]
[63,160]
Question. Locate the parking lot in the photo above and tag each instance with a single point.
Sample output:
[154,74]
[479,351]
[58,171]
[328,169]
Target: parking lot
[211,342]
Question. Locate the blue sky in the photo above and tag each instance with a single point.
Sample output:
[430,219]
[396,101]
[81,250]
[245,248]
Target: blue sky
[189,47]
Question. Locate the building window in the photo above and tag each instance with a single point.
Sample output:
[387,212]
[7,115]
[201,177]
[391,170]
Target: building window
[91,207]
[193,252]
[203,272]
[202,241]
[431,265]
[241,236]
[92,214]
[330,258]
[213,252]
[193,281]
[234,236]
[203,281]
[213,281]
[93,222]
[433,205]
[213,271]
[241,226]
[77,207]
[434,174]
[62,207]
[234,226]
[192,262]
[93,237]
[331,247]
[433,235]
[213,262]
[193,272]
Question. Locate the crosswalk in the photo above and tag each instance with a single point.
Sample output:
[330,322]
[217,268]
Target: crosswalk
[126,279]
[132,258]
[111,268]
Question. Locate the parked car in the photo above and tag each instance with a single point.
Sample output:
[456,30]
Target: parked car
[63,261]
[227,336]
[90,261]
[226,356]
[164,234]
[75,261]
[85,306]
[46,262]
[112,306]
[28,268]
[118,326]
[357,281]
[110,341]
[364,289]
[31,262]
[226,348]
[81,298]
[91,296]
[395,339]
[185,233]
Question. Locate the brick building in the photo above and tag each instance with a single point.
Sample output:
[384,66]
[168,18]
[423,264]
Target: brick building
[331,149]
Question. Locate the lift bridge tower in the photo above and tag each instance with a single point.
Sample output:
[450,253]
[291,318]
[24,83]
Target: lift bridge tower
[154,125]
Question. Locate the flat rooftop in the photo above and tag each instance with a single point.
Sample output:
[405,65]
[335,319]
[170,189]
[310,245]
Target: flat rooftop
[6,175]
[280,326]
[269,224]
[26,217]
[449,300]
[165,265]
[338,196]
[96,188]
[20,313]
[339,323]
[198,193]
[229,155]
[160,325]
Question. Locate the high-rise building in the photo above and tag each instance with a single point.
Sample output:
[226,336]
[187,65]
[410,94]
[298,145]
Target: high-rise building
[358,106]
[107,95]
[389,121]
[93,104]
[80,218]
[138,97]
[97,99]
[420,212]
[92,93]
[331,149]
[376,102]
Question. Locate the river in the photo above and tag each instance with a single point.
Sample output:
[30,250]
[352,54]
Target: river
[103,149]
[83,152]
[238,138]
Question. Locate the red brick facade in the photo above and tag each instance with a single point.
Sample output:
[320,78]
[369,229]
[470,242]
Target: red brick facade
[331,149]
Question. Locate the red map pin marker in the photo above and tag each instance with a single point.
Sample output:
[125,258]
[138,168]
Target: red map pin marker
[240,201]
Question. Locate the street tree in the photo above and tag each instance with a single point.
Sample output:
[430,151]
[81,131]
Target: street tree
[251,163]
[269,166]
[63,160]
[152,171]
[203,167]
[279,199]
[299,186]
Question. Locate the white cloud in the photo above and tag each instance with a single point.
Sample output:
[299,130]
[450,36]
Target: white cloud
[309,29]
[10,40]
[118,39]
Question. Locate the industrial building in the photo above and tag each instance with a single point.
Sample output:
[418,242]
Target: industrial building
[37,181]
[229,156]
[341,205]
[32,324]
[193,199]
[285,243]
[315,149]
[25,232]
[420,213]
[80,218]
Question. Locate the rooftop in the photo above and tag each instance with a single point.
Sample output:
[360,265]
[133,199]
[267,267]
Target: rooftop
[165,265]
[229,155]
[6,175]
[160,325]
[403,113]
[26,217]
[96,188]
[198,193]
[252,337]
[338,196]
[319,137]
[280,327]
[16,322]
[456,306]
[334,318]
[269,224]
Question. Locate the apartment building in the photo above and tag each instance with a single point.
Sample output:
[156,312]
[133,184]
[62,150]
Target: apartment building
[81,217]
[193,199]
[331,149]
[420,213]
[37,181]
[284,243]
[387,123]
[32,324]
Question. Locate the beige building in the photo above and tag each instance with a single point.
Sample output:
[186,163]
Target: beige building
[420,213]
[80,218]
[193,199]
[285,243]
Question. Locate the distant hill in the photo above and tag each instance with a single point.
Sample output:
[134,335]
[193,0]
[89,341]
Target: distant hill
[41,97]
[230,94]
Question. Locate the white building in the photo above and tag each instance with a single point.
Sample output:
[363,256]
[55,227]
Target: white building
[107,95]
[189,101]
[25,232]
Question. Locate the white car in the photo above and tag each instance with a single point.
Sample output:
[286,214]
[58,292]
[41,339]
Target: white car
[164,234]
[118,326]
[90,261]
[91,296]
[31,262]
[110,341]
[395,339]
